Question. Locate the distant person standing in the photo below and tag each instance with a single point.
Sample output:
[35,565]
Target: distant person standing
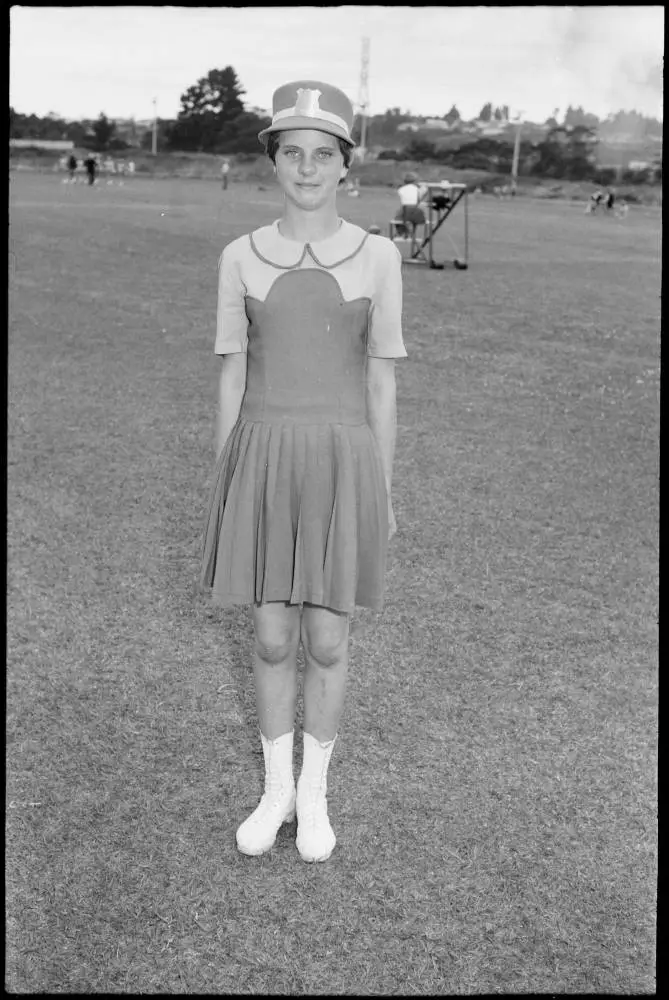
[72,166]
[91,165]
[595,201]
[225,170]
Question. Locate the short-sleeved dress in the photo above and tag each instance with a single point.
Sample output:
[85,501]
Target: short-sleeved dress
[298,510]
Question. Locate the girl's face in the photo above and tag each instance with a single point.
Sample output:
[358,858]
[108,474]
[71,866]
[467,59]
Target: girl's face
[309,166]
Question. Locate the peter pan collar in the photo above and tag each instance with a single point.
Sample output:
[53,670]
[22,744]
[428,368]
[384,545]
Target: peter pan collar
[272,248]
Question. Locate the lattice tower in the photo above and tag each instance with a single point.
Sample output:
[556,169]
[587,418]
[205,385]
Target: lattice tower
[363,96]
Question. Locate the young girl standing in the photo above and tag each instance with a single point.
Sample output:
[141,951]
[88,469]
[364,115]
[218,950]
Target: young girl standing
[308,329]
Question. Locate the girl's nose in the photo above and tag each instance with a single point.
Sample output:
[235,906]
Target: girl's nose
[307,166]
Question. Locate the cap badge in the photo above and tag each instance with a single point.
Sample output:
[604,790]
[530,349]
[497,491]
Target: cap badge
[307,102]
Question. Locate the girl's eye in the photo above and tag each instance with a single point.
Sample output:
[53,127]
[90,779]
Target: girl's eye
[323,154]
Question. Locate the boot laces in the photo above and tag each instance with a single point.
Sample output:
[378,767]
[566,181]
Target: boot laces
[276,792]
[313,807]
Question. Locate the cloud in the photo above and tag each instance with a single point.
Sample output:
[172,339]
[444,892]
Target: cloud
[610,56]
[423,59]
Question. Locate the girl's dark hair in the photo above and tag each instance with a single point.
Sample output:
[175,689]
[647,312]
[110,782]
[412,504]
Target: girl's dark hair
[273,145]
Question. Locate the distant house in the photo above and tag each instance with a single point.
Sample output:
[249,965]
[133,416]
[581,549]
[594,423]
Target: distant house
[620,139]
[492,128]
[132,130]
[57,145]
[425,123]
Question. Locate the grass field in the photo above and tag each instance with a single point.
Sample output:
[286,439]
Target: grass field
[493,790]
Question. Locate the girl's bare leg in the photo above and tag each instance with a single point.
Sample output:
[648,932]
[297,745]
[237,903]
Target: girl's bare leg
[277,636]
[324,636]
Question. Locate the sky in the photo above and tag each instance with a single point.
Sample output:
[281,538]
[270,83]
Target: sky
[78,62]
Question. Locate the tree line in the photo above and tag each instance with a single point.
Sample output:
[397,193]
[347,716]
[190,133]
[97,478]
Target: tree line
[214,119]
[563,154]
[627,122]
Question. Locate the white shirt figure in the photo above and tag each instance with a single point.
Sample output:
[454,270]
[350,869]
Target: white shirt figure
[412,193]
[131,166]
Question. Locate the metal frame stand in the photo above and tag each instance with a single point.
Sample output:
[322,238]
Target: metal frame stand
[422,252]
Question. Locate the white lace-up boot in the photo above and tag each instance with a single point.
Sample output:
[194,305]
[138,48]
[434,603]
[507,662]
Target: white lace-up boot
[315,836]
[258,833]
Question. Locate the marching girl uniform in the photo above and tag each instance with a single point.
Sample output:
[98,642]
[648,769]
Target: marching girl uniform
[299,508]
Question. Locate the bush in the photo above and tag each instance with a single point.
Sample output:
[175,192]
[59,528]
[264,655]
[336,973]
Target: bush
[636,176]
[605,176]
[419,150]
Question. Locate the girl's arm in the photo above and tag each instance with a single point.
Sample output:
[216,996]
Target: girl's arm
[382,410]
[231,389]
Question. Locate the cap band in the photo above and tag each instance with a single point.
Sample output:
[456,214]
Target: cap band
[324,116]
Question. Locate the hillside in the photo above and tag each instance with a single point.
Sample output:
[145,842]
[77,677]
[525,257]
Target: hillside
[621,139]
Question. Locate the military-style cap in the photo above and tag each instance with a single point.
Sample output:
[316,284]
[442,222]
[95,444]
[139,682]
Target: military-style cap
[311,104]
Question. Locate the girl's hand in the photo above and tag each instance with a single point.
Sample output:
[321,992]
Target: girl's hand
[392,523]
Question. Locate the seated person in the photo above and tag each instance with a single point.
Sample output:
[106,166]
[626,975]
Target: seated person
[411,215]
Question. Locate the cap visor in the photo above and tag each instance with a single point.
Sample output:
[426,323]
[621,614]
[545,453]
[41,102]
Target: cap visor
[286,124]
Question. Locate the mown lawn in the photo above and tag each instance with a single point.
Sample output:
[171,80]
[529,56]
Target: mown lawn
[493,789]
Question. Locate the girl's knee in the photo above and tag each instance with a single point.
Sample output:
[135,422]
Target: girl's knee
[277,632]
[324,636]
[273,650]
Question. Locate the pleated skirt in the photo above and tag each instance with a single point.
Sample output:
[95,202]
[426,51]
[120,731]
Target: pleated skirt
[297,513]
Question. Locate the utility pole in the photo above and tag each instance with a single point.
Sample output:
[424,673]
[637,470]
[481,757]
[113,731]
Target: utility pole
[363,97]
[516,149]
[154,143]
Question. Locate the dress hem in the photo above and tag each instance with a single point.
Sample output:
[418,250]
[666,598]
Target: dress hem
[229,600]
